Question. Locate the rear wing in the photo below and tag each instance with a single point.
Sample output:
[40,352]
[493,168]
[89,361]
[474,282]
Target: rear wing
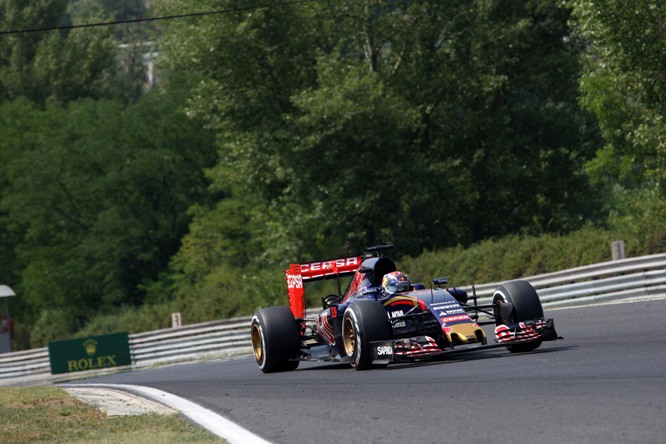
[298,274]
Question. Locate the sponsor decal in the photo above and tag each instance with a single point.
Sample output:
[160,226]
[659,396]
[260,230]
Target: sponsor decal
[367,290]
[445,305]
[448,319]
[294,281]
[89,353]
[384,350]
[397,314]
[329,265]
[91,363]
[451,312]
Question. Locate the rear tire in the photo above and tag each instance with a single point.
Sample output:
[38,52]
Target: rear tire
[275,339]
[364,321]
[526,307]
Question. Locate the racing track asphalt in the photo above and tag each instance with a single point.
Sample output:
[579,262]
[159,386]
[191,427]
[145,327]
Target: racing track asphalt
[604,383]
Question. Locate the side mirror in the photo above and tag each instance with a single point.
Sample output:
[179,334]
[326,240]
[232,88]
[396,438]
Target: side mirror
[330,300]
[440,281]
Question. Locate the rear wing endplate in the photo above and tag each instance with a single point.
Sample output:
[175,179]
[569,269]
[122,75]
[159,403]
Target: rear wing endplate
[298,274]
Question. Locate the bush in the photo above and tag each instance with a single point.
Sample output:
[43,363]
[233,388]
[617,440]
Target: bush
[645,221]
[53,325]
[517,256]
[228,291]
[130,320]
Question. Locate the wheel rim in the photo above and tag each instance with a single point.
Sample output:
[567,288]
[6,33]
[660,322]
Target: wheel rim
[257,343]
[501,299]
[349,336]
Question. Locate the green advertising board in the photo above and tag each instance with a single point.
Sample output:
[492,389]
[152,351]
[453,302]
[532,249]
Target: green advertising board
[94,352]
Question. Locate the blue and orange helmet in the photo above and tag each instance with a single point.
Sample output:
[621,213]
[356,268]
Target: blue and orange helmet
[395,282]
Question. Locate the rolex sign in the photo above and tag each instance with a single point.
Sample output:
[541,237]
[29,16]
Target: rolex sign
[91,353]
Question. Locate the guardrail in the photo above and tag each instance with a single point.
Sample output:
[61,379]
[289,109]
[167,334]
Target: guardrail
[625,278]
[620,279]
[221,338]
[24,363]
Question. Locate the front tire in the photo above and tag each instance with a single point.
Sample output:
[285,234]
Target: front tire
[275,339]
[526,307]
[364,321]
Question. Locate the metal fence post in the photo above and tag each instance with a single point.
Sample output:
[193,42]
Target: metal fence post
[617,250]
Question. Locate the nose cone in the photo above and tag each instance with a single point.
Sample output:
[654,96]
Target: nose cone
[467,333]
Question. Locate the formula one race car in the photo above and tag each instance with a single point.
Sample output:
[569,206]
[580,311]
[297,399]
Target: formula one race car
[383,318]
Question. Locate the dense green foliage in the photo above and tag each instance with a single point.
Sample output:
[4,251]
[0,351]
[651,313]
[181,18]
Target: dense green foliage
[487,139]
[624,84]
[398,116]
[514,256]
[99,202]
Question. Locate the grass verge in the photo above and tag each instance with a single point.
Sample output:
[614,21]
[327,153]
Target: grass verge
[51,415]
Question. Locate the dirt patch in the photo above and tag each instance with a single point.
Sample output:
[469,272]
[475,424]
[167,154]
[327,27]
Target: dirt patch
[117,402]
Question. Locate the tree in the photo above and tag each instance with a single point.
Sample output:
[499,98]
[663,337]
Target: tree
[97,198]
[68,64]
[624,84]
[422,123]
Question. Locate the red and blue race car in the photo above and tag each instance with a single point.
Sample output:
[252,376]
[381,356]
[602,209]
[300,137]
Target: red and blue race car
[382,317]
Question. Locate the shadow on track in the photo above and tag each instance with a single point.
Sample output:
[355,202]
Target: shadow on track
[445,359]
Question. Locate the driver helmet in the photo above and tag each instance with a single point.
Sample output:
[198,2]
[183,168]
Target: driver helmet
[395,282]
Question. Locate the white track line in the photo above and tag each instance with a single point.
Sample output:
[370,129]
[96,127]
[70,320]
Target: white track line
[631,300]
[208,419]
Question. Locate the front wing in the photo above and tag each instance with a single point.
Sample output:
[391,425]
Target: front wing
[425,347]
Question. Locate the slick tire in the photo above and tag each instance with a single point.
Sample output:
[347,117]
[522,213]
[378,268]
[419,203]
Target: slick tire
[363,322]
[275,339]
[526,306]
